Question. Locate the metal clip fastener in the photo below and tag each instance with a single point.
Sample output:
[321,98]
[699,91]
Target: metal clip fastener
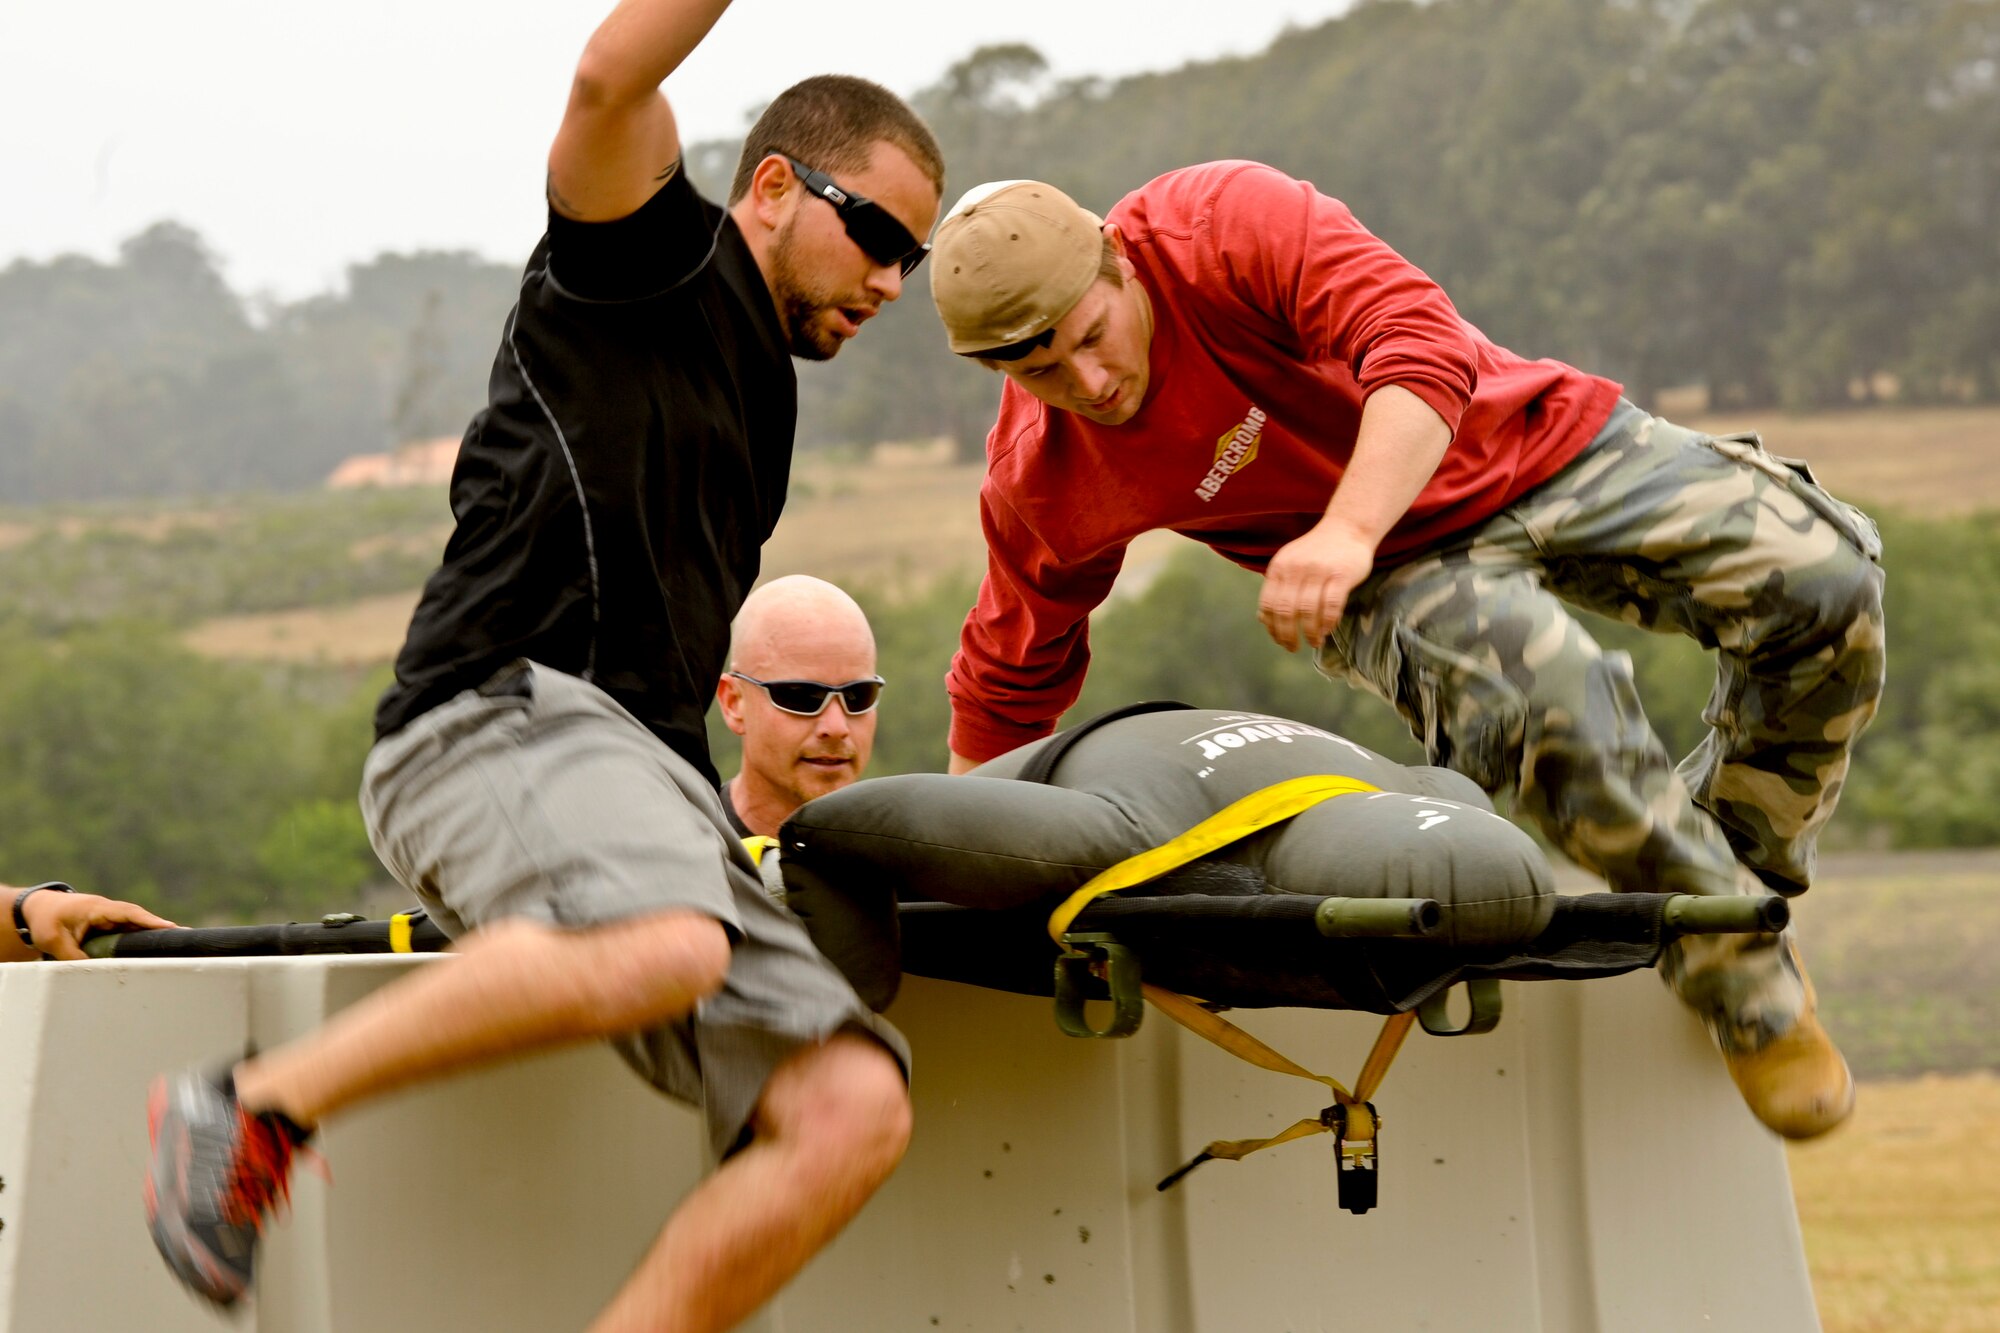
[1355,1158]
[1084,953]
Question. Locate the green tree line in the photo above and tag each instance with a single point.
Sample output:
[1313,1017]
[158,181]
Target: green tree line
[216,790]
[1784,201]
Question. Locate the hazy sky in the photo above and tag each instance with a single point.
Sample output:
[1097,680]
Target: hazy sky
[299,137]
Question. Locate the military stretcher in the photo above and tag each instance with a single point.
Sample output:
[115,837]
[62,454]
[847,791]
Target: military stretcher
[1195,860]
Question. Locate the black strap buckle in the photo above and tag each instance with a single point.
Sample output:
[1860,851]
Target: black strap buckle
[1355,1159]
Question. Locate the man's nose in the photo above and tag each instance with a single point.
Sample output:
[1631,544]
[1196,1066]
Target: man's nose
[886,281]
[1090,378]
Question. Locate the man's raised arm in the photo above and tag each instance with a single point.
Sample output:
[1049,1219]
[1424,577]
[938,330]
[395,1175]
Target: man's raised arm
[618,140]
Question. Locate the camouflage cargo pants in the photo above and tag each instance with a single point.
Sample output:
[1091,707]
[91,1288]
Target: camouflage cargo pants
[1659,526]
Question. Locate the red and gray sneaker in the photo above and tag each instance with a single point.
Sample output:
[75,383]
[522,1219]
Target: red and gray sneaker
[217,1172]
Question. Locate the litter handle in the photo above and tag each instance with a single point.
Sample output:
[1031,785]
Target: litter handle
[1378,918]
[338,933]
[1700,914]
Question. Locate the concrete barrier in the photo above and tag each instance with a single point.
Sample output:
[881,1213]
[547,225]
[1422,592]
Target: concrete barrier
[1586,1168]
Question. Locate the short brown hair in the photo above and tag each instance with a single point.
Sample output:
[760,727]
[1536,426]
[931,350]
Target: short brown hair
[832,122]
[1107,271]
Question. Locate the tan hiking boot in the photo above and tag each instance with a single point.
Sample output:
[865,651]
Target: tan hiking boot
[1797,1083]
[1753,994]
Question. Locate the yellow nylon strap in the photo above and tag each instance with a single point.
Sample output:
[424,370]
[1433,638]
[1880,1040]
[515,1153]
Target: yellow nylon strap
[1235,1040]
[1216,1028]
[1235,1150]
[1387,1042]
[399,932]
[757,844]
[1259,810]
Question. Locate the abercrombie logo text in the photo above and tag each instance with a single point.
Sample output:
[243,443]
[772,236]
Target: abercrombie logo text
[1236,449]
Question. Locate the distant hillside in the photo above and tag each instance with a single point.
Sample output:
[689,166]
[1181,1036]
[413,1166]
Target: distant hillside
[1785,203]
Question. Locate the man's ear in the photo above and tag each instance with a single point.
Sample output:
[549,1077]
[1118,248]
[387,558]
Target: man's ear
[1117,239]
[774,191]
[729,698]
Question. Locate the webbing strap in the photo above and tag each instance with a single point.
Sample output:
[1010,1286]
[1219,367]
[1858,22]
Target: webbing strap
[1234,822]
[1214,1027]
[1259,810]
[1357,1125]
[400,926]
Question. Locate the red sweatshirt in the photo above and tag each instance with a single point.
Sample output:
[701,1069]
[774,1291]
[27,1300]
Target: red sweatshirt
[1276,315]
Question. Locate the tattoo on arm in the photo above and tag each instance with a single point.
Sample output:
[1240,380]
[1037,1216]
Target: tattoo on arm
[568,209]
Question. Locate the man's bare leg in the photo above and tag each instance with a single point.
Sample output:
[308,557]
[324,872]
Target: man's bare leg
[516,986]
[831,1125]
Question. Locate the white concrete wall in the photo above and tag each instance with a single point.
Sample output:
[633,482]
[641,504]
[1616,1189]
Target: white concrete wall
[1586,1168]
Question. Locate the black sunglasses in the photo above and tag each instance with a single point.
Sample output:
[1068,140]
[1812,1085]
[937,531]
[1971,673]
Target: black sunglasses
[809,698]
[869,225]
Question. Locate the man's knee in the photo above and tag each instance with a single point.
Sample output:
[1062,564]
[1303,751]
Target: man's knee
[845,1104]
[1839,599]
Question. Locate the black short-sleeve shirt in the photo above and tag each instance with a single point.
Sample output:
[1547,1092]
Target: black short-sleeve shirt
[612,498]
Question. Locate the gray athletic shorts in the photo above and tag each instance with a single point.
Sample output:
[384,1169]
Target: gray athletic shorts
[538,796]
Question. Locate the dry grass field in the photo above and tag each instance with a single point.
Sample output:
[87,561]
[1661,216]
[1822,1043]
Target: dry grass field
[1901,1209]
[904,519]
[145,526]
[1937,462]
[358,633]
[892,524]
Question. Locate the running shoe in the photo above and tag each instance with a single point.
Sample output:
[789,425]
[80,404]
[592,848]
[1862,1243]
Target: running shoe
[217,1172]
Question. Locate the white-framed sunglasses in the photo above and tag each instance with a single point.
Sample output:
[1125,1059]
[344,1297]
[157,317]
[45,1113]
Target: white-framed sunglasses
[809,698]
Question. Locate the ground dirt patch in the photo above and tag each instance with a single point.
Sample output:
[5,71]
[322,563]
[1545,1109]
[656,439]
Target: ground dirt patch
[1900,1209]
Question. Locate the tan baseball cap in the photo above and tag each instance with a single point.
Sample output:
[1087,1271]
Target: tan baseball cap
[1009,261]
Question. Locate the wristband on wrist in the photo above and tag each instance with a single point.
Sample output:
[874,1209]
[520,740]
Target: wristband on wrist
[20,918]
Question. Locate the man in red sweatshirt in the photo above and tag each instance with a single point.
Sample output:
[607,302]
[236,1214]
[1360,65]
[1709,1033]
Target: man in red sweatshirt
[1230,355]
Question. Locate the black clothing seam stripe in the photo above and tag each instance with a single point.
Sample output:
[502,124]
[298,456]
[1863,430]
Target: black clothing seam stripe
[576,480]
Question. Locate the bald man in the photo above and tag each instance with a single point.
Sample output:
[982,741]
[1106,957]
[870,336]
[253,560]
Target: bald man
[801,691]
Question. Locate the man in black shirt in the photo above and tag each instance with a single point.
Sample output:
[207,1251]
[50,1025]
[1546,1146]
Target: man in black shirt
[540,778]
[801,691]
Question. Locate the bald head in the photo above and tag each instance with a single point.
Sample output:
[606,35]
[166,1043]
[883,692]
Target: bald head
[789,625]
[797,628]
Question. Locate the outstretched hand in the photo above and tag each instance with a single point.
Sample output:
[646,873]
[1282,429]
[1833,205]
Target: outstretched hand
[59,921]
[1308,582]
